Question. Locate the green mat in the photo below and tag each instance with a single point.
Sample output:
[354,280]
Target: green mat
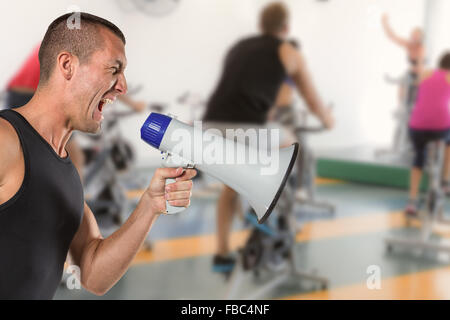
[366,172]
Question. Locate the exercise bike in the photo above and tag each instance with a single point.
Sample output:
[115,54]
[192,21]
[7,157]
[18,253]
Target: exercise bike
[297,122]
[270,246]
[106,156]
[270,250]
[433,213]
[401,144]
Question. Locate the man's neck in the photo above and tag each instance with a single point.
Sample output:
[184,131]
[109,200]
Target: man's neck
[47,117]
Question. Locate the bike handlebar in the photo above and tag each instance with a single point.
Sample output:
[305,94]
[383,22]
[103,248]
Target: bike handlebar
[309,129]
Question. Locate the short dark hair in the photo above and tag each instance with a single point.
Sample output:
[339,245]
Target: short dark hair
[80,40]
[274,18]
[444,62]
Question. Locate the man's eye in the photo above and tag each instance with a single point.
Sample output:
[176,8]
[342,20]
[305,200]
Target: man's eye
[115,70]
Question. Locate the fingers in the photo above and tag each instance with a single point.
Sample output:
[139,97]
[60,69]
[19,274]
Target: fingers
[179,173]
[180,203]
[187,175]
[179,198]
[178,195]
[164,173]
[179,186]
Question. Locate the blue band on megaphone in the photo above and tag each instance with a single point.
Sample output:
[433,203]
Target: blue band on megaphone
[154,128]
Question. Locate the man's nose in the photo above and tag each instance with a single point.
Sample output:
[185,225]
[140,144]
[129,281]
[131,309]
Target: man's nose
[121,85]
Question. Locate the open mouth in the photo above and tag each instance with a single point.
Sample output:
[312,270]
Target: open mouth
[98,112]
[102,103]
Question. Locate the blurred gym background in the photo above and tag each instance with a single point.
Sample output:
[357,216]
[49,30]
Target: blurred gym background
[175,51]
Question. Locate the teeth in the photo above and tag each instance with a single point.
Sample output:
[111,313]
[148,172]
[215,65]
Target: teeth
[107,101]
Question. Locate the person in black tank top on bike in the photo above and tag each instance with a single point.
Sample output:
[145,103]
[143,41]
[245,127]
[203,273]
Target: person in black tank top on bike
[43,216]
[253,73]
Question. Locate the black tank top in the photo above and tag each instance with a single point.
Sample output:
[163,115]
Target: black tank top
[39,222]
[250,81]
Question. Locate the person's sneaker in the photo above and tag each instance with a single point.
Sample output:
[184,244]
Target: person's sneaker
[411,209]
[223,264]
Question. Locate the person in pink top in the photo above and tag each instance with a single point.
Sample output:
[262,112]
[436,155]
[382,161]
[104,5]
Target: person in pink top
[429,121]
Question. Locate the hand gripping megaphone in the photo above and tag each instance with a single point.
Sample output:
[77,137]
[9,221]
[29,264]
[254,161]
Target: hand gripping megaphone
[187,146]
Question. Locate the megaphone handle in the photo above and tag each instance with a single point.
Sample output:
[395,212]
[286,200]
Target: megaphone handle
[174,161]
[172,209]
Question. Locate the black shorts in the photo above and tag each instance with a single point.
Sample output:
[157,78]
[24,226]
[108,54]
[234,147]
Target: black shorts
[420,139]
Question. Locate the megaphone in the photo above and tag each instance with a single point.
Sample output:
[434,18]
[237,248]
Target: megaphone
[191,147]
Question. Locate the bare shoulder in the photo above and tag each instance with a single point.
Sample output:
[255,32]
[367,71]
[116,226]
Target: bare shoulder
[287,48]
[10,150]
[8,135]
[290,57]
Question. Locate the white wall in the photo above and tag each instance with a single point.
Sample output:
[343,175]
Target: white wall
[438,37]
[348,55]
[23,24]
[344,44]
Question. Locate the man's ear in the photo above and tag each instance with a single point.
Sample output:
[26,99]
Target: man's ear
[66,63]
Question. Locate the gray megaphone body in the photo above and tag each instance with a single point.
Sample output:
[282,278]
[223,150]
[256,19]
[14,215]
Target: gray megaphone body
[183,145]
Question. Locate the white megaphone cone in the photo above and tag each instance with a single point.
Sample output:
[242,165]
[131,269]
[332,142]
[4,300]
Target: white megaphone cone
[187,146]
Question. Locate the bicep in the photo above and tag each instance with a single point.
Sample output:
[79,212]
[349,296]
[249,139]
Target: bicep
[295,66]
[289,58]
[301,76]
[87,232]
